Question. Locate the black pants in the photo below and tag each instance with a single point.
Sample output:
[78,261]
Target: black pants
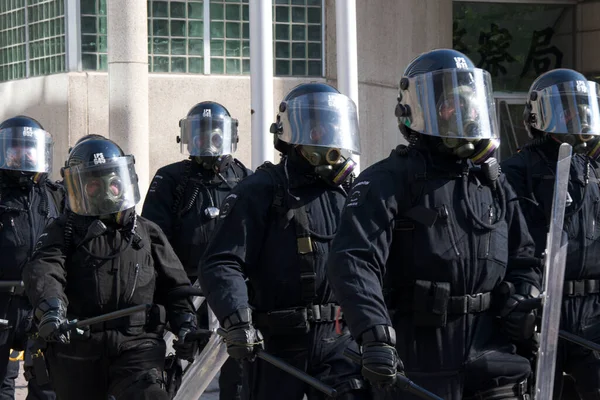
[467,357]
[17,311]
[318,353]
[581,316]
[94,370]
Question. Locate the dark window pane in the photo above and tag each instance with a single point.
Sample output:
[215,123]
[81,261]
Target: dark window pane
[232,48]
[102,44]
[314,15]
[314,50]
[246,49]
[88,25]
[160,27]
[282,50]
[178,46]
[298,32]
[245,66]
[217,30]
[88,43]
[298,50]
[282,14]
[314,68]
[246,30]
[233,12]
[88,7]
[160,64]
[282,32]
[178,64]
[233,66]
[195,28]
[314,2]
[195,10]
[196,65]
[299,2]
[298,14]
[196,46]
[88,62]
[282,1]
[103,62]
[102,7]
[245,13]
[217,47]
[233,30]
[217,66]
[216,11]
[160,9]
[298,68]
[178,28]
[161,46]
[177,11]
[282,67]
[314,33]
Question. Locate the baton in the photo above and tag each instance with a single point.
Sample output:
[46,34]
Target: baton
[402,381]
[74,324]
[9,284]
[276,362]
[588,344]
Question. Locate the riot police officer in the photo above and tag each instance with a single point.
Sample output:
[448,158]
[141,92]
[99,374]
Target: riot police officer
[28,203]
[563,107]
[275,230]
[428,238]
[99,257]
[184,198]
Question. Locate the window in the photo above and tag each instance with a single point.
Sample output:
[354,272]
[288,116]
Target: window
[298,37]
[515,42]
[32,38]
[177,42]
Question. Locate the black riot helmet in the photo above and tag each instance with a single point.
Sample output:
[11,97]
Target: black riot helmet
[25,146]
[100,179]
[564,105]
[322,124]
[209,135]
[444,96]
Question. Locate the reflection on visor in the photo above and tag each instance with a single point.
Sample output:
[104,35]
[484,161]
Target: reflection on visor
[95,187]
[18,157]
[202,136]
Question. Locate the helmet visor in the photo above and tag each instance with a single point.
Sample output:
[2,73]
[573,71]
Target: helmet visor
[568,108]
[102,189]
[321,119]
[454,103]
[208,136]
[26,149]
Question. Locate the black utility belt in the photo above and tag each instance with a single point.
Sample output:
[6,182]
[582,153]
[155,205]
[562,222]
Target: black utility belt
[153,321]
[581,287]
[296,320]
[431,303]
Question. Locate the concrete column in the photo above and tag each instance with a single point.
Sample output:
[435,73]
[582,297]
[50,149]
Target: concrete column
[261,80]
[128,82]
[391,34]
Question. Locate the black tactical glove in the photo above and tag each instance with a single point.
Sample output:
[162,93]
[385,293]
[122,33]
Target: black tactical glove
[52,317]
[185,350]
[240,335]
[380,361]
[519,312]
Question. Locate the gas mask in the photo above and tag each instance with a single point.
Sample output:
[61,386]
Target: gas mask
[105,193]
[478,150]
[329,163]
[582,144]
[218,164]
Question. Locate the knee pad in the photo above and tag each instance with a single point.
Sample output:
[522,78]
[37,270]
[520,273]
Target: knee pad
[517,391]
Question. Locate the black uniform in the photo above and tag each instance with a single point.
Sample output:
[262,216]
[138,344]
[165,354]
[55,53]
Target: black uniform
[26,208]
[531,173]
[408,254]
[178,200]
[275,229]
[122,357]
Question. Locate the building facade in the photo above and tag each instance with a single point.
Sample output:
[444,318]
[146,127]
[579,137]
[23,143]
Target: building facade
[53,59]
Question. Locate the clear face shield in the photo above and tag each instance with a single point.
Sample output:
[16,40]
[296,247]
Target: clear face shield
[26,149]
[325,127]
[456,105]
[102,189]
[570,113]
[208,136]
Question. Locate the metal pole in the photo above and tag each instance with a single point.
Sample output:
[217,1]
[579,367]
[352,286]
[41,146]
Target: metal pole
[347,64]
[128,82]
[261,80]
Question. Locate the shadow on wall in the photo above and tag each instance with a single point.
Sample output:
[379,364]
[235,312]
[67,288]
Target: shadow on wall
[44,99]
